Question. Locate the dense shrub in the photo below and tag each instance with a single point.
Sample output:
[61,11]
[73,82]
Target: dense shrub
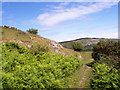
[77,46]
[106,72]
[110,61]
[105,77]
[33,31]
[89,47]
[26,70]
[12,46]
[38,49]
[6,26]
[109,50]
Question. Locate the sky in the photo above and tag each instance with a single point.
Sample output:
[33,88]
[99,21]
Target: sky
[63,21]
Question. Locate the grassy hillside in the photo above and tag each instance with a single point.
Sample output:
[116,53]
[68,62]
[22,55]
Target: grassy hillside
[88,43]
[23,69]
[32,41]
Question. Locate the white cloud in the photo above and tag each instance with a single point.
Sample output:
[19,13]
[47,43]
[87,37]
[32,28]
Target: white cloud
[58,7]
[43,16]
[65,3]
[106,31]
[60,15]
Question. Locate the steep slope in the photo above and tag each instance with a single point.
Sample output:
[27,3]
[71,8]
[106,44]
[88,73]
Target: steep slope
[32,41]
[26,62]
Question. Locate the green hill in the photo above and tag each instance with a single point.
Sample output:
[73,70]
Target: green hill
[24,65]
[23,69]
[32,41]
[88,43]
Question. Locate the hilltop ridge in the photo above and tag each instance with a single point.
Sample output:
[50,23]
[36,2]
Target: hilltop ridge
[88,43]
[28,40]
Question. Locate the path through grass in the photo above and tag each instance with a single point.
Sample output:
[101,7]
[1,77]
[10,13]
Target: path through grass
[81,78]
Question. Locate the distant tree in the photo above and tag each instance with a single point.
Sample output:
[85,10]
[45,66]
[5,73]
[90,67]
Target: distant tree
[33,31]
[6,26]
[77,46]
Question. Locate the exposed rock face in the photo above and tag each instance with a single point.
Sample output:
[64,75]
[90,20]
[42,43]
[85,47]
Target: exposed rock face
[56,46]
[93,41]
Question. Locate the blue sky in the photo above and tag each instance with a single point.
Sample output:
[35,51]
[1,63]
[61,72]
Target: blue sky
[62,21]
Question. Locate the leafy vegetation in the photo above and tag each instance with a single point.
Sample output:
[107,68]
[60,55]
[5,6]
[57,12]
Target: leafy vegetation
[36,67]
[12,46]
[22,69]
[105,77]
[33,31]
[77,46]
[38,49]
[6,26]
[88,47]
[109,50]
[107,65]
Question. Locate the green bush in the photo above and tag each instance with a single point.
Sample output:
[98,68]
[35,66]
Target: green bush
[107,66]
[105,77]
[110,61]
[26,70]
[6,26]
[108,48]
[38,49]
[110,51]
[14,46]
[89,47]
[33,31]
[77,46]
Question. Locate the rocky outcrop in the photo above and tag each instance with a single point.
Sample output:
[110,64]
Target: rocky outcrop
[55,45]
